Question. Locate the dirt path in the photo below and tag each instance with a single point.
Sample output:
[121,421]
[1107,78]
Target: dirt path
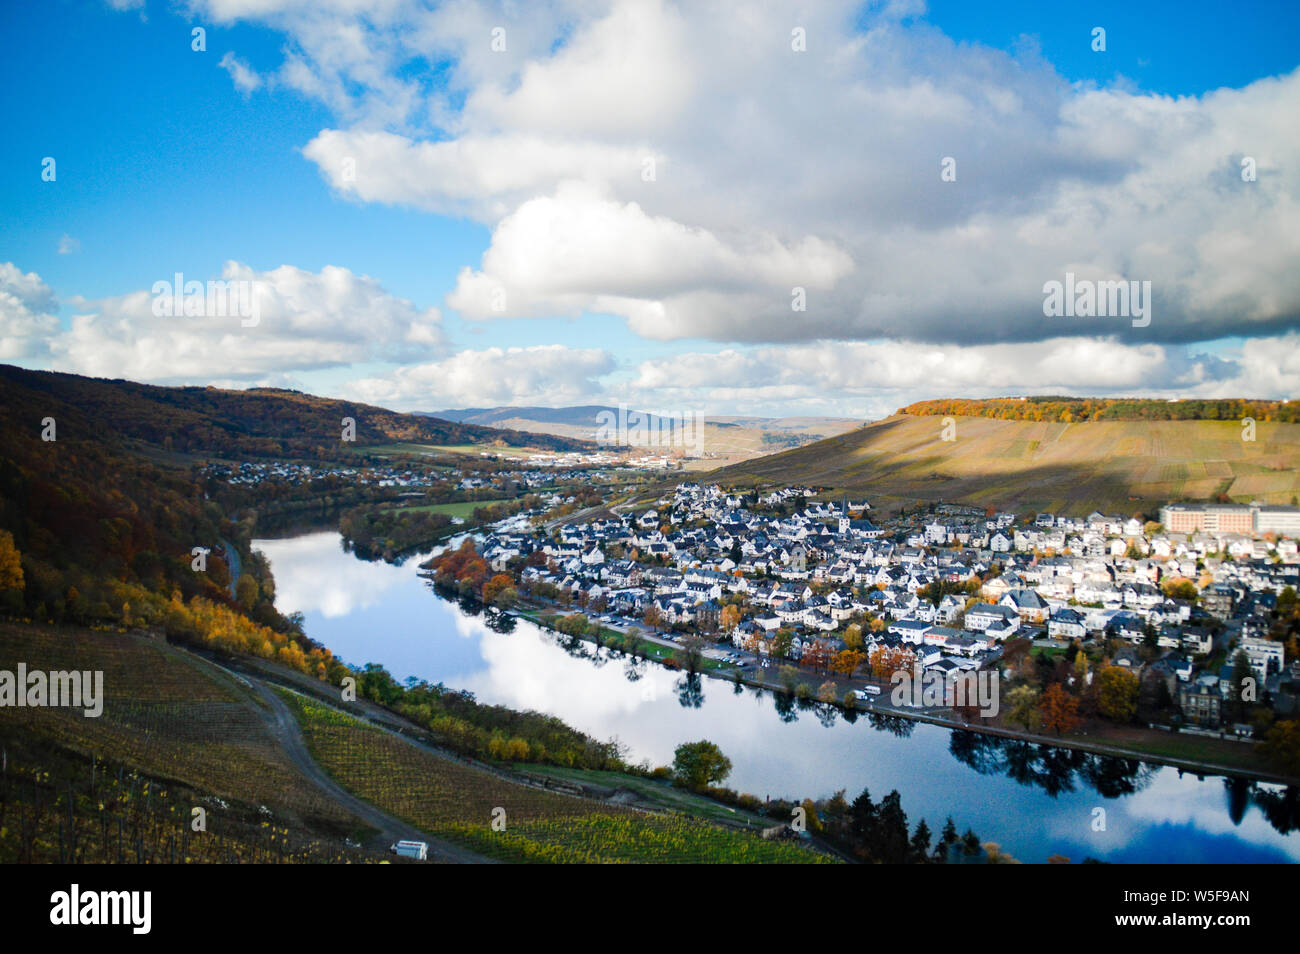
[283,725]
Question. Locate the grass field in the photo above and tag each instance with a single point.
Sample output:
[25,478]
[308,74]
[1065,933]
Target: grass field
[1120,466]
[463,509]
[459,802]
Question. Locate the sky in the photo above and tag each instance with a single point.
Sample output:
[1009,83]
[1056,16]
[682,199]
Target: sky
[816,208]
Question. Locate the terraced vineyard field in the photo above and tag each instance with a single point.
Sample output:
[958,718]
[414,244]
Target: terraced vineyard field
[167,715]
[458,802]
[59,807]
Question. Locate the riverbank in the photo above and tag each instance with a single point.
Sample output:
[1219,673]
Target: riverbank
[1197,754]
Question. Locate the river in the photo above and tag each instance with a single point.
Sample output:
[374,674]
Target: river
[1034,801]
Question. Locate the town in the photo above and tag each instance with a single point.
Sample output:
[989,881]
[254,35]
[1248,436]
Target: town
[783,579]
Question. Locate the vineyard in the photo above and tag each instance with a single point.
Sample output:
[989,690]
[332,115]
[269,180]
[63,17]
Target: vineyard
[459,802]
[59,807]
[168,716]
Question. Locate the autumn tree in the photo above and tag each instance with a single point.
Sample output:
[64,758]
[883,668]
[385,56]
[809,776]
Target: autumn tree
[853,636]
[11,567]
[729,618]
[1060,710]
[847,662]
[1023,708]
[494,587]
[1117,693]
[1281,746]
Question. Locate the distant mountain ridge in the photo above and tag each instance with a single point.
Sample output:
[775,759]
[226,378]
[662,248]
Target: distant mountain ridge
[722,438]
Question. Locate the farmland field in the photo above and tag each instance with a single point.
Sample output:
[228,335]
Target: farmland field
[458,802]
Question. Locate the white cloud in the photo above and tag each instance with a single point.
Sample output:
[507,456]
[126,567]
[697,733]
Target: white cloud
[305,321]
[542,374]
[872,379]
[758,146]
[555,254]
[245,78]
[27,313]
[69,245]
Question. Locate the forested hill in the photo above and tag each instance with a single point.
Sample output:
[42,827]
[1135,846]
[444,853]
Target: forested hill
[1067,410]
[261,422]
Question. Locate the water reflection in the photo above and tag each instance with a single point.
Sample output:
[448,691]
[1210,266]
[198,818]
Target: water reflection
[781,746]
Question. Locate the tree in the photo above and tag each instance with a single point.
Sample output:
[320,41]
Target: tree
[11,567]
[1060,710]
[847,662]
[1281,746]
[494,587]
[1243,685]
[853,636]
[1024,711]
[1117,693]
[919,849]
[699,764]
[729,618]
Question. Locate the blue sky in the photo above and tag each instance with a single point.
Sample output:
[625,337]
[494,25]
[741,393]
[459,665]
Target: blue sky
[164,164]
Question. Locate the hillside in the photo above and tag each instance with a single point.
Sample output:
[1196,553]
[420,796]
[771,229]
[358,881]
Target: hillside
[259,422]
[724,439]
[284,776]
[1120,466]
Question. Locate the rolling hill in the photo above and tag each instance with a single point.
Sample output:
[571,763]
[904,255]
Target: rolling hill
[726,439]
[1123,466]
[259,422]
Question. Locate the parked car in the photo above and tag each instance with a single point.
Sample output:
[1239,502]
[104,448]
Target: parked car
[411,849]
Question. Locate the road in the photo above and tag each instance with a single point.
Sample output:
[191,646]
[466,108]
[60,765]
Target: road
[283,725]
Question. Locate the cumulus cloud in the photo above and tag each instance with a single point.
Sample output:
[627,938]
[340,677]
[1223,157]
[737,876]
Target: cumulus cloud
[551,375]
[555,254]
[872,379]
[682,168]
[304,321]
[27,313]
[840,146]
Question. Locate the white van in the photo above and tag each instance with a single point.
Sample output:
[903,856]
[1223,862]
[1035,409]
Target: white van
[411,849]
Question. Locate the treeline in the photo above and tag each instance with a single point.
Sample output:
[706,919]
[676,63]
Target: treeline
[374,533]
[879,834]
[1067,410]
[478,730]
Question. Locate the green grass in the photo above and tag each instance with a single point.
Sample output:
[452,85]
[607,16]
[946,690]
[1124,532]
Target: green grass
[463,509]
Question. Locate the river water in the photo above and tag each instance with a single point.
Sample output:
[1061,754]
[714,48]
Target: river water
[1035,801]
